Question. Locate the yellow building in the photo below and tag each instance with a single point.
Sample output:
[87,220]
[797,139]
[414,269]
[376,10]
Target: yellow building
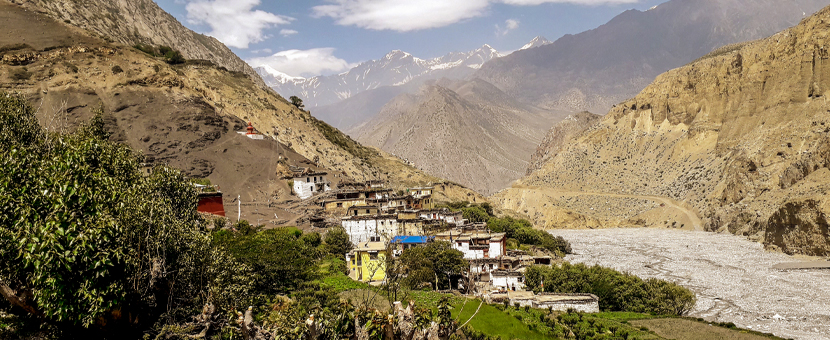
[367,262]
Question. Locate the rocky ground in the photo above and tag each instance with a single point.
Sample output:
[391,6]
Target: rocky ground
[732,276]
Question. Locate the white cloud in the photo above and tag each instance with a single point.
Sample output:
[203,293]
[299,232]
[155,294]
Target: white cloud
[409,15]
[234,22]
[400,15]
[509,25]
[304,63]
[287,32]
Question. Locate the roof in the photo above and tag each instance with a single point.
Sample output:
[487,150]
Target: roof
[369,246]
[411,239]
[312,174]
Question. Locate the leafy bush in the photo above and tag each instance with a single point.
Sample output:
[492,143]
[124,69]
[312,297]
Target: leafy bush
[616,291]
[522,231]
[117,69]
[279,259]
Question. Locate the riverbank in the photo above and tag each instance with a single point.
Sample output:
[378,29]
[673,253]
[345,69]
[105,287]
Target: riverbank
[733,278]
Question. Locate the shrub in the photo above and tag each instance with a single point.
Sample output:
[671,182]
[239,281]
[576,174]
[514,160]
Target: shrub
[117,69]
[20,74]
[616,291]
[337,242]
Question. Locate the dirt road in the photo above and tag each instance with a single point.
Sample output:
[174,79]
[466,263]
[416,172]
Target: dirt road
[668,202]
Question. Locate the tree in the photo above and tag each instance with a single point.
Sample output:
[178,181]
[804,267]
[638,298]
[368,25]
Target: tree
[433,263]
[83,233]
[296,101]
[337,242]
[280,260]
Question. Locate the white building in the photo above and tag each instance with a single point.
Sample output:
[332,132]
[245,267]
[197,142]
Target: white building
[507,280]
[420,192]
[376,228]
[455,218]
[477,245]
[308,185]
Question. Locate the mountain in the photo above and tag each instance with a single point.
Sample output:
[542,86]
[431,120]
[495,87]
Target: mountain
[466,131]
[140,22]
[183,115]
[536,42]
[595,69]
[738,139]
[395,69]
[559,136]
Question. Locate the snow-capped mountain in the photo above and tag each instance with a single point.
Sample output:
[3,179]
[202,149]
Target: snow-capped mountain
[536,42]
[395,69]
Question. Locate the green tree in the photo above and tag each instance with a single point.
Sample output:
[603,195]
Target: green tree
[278,257]
[337,242]
[475,214]
[83,233]
[433,263]
[296,101]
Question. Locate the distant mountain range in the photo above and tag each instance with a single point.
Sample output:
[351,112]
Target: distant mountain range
[395,69]
[596,69]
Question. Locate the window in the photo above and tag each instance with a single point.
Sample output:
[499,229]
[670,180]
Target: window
[308,179]
[373,256]
[339,205]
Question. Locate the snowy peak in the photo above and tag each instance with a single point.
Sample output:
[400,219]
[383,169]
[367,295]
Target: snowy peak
[273,77]
[536,42]
[394,69]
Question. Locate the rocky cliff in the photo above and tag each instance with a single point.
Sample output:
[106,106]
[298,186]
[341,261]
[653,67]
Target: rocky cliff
[559,136]
[132,22]
[739,138]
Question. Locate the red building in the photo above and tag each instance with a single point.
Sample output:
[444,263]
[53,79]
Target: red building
[211,203]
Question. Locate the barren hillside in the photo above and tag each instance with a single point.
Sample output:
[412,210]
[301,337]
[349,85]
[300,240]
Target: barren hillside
[184,115]
[466,131]
[740,138]
[132,22]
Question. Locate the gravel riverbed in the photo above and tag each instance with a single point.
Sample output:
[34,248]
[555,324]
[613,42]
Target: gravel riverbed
[732,276]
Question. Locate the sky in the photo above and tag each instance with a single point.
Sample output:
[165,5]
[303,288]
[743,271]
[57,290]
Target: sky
[322,37]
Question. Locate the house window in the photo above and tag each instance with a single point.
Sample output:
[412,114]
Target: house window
[308,179]
[339,205]
[373,256]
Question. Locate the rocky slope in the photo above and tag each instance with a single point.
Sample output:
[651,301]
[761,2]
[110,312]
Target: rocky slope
[395,69]
[466,131]
[598,68]
[132,22]
[184,115]
[559,136]
[741,138]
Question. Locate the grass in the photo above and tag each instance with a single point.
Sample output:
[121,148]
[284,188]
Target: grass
[688,329]
[493,322]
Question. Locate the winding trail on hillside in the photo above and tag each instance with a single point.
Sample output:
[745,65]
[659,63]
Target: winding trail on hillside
[668,202]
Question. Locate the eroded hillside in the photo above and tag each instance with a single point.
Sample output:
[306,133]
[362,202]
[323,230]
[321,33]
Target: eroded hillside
[140,22]
[739,138]
[185,115]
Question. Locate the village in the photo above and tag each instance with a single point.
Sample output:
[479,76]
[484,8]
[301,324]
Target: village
[382,223]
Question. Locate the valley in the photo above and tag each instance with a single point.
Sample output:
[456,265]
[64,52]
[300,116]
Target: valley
[733,278]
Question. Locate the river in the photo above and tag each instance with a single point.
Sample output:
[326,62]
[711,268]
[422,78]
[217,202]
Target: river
[732,276]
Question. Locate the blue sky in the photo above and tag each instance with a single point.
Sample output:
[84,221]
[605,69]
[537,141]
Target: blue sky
[313,37]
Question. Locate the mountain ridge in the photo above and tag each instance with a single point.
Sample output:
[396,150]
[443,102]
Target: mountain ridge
[740,138]
[597,68]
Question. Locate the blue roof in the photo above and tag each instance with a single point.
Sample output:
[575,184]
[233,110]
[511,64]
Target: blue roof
[411,239]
